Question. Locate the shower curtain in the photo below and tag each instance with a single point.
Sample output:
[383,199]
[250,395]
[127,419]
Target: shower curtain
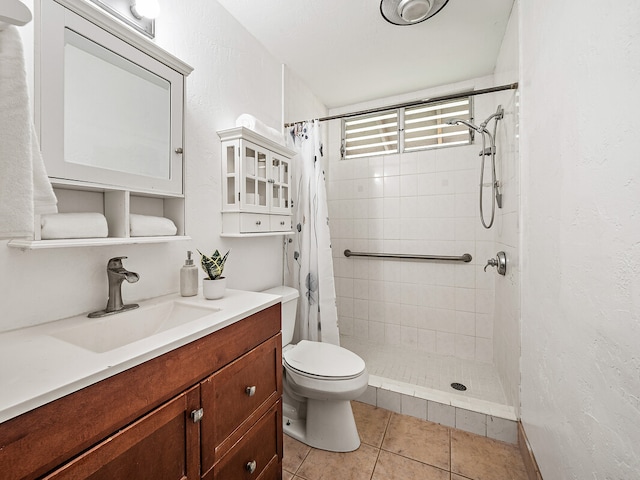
[313,265]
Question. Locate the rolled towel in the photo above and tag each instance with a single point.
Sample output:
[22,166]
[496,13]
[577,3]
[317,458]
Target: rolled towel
[73,225]
[150,226]
[252,123]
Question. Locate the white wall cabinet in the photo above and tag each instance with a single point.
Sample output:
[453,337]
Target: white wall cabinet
[114,148]
[256,184]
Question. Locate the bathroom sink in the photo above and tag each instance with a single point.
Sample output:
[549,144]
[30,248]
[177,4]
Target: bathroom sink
[114,331]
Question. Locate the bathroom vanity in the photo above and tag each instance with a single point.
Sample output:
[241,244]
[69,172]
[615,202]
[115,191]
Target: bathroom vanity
[209,408]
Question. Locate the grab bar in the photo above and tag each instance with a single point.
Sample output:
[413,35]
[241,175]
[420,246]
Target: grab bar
[462,258]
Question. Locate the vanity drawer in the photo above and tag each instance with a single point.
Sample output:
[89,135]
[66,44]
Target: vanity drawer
[280,223]
[234,397]
[254,223]
[257,455]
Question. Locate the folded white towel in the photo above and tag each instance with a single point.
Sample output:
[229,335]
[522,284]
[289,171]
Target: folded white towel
[150,226]
[73,225]
[252,123]
[24,186]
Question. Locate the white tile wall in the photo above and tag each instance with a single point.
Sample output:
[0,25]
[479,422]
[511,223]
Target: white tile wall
[423,203]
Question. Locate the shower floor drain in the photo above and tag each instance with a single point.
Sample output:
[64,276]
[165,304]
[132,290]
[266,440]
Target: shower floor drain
[458,386]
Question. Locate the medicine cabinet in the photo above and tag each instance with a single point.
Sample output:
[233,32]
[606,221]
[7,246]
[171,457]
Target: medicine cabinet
[256,184]
[109,113]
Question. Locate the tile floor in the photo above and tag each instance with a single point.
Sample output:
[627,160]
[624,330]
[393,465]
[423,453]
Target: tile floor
[399,447]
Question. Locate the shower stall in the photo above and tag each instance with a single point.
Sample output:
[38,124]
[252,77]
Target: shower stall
[438,335]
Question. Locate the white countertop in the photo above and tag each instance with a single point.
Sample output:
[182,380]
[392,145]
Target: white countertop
[37,368]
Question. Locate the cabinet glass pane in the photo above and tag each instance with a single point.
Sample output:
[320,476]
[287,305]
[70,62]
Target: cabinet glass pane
[277,201]
[231,190]
[250,161]
[231,164]
[275,169]
[285,197]
[262,165]
[262,193]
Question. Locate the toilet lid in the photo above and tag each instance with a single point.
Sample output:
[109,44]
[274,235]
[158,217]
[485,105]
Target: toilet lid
[323,360]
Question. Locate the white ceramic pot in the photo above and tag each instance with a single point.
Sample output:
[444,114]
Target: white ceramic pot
[214,289]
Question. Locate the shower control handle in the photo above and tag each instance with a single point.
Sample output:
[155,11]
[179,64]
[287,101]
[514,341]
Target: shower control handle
[500,262]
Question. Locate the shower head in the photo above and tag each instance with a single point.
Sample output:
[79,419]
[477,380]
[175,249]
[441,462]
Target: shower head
[458,121]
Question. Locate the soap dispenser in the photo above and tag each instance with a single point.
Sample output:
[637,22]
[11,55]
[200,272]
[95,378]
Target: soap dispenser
[188,277]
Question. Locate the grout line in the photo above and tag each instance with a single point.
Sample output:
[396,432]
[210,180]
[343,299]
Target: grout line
[375,464]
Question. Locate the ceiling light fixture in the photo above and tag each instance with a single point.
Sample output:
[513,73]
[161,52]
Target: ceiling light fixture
[410,12]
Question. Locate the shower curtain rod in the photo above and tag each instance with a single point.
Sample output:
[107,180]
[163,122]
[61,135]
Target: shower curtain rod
[453,96]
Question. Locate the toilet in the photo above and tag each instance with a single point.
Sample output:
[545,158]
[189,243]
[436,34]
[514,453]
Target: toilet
[319,381]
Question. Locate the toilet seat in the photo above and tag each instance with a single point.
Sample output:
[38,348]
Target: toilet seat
[323,361]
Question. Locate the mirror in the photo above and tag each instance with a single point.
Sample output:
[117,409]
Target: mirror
[99,86]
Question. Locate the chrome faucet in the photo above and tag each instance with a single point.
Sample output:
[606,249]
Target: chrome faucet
[116,274]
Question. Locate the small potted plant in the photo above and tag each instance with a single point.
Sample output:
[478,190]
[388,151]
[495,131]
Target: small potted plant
[214,285]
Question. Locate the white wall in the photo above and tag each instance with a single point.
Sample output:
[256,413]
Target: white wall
[580,112]
[233,74]
[423,202]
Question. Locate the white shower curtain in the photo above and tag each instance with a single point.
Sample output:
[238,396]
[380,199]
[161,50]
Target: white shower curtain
[313,265]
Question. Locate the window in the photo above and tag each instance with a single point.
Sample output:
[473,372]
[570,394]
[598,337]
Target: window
[406,129]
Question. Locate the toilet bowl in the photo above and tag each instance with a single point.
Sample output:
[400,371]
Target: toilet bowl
[319,381]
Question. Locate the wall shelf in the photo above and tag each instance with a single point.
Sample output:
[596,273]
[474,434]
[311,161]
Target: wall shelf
[92,242]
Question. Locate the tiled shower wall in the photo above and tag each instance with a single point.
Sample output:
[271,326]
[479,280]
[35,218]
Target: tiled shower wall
[415,203]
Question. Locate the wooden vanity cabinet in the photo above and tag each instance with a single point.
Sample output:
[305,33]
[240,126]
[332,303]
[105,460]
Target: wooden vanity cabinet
[142,424]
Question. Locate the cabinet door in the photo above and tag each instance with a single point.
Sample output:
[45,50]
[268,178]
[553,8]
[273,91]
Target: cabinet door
[280,181]
[254,188]
[162,445]
[236,396]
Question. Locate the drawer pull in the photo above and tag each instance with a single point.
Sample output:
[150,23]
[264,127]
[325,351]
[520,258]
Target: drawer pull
[251,466]
[258,222]
[196,415]
[250,391]
[282,222]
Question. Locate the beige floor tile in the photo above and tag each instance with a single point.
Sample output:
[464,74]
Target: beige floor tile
[481,458]
[323,465]
[396,467]
[294,452]
[286,475]
[455,476]
[371,422]
[418,439]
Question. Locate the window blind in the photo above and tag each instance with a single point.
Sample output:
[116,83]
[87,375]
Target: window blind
[423,127]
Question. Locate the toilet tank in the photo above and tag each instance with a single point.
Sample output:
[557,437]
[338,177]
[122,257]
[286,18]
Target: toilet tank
[289,299]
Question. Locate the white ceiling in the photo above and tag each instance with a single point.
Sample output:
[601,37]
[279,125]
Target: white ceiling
[347,53]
